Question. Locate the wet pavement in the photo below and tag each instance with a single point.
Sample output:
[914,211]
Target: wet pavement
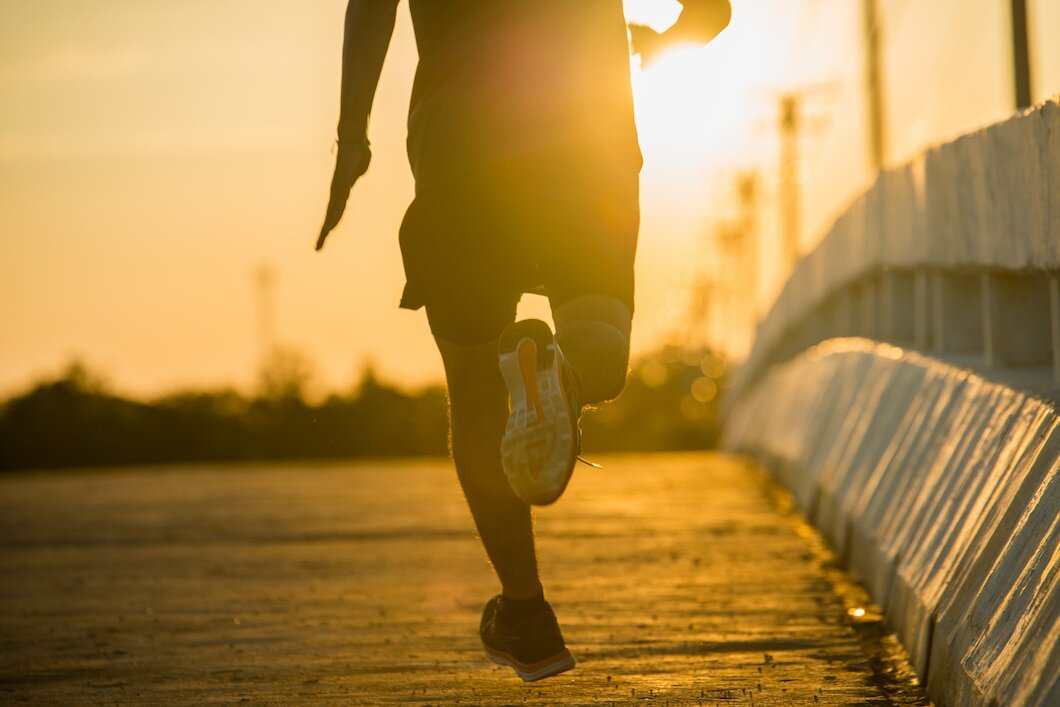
[680,579]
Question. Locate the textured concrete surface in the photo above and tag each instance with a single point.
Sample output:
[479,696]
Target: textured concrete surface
[678,579]
[941,491]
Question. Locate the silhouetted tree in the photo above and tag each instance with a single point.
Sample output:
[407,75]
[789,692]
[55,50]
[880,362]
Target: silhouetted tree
[76,420]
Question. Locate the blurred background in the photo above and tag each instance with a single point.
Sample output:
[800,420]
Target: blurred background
[164,169]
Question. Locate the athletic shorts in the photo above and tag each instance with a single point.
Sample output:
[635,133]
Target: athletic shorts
[562,223]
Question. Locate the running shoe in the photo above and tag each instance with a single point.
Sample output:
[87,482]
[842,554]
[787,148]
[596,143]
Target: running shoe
[542,440]
[533,647]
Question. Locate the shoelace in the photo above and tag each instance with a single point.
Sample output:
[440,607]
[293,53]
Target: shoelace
[573,387]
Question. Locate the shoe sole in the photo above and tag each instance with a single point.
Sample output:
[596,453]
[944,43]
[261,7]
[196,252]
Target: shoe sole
[539,449]
[559,663]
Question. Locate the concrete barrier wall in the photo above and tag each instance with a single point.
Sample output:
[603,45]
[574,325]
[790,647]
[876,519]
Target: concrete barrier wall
[940,490]
[956,252]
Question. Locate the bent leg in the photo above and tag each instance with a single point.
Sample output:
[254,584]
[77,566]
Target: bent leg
[593,333]
[478,411]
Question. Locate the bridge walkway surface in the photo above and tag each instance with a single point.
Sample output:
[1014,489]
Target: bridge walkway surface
[680,579]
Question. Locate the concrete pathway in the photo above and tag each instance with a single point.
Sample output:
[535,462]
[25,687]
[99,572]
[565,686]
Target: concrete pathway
[678,579]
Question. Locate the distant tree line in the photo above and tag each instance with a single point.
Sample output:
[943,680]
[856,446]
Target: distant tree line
[76,420]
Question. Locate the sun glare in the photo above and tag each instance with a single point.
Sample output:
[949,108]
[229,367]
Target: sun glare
[694,104]
[657,14]
[674,109]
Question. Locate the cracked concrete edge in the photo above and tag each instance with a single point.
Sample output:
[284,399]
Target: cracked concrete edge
[938,489]
[892,671]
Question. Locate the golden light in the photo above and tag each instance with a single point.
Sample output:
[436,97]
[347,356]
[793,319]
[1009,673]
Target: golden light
[657,14]
[696,105]
[676,105]
[713,366]
[704,389]
[671,108]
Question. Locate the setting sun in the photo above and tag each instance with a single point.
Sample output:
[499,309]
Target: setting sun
[657,14]
[685,110]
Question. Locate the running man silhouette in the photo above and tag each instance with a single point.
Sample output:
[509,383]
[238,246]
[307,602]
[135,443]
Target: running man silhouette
[524,150]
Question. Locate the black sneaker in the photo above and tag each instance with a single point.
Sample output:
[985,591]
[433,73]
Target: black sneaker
[532,647]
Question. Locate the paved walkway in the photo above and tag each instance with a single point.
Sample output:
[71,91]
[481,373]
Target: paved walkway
[675,577]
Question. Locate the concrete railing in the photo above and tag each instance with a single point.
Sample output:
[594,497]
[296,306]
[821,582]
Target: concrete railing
[956,253]
[932,462]
[941,492]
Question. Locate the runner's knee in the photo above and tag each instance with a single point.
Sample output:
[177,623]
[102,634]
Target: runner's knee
[602,308]
[599,354]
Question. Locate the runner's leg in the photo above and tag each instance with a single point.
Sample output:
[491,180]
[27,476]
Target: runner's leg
[593,333]
[478,411]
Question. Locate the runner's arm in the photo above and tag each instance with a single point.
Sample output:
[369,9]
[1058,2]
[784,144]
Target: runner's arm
[369,27]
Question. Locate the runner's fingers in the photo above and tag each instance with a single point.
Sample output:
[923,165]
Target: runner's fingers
[349,167]
[336,208]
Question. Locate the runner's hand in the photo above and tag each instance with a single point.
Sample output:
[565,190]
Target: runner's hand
[350,164]
[648,43]
[699,23]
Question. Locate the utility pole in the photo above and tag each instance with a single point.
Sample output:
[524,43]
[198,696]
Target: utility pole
[790,125]
[747,194]
[727,297]
[877,135]
[1021,54]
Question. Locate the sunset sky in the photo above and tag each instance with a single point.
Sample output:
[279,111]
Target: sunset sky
[154,156]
